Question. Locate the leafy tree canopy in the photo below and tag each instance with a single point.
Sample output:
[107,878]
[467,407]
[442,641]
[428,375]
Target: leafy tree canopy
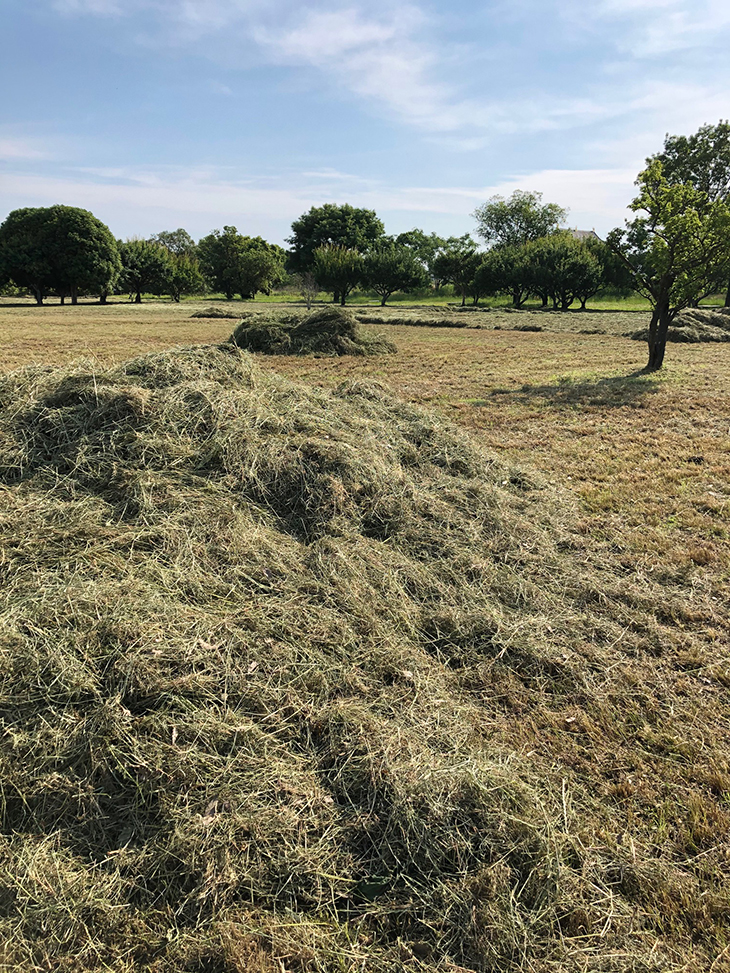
[675,250]
[332,225]
[425,246]
[185,277]
[178,242]
[523,217]
[237,264]
[390,268]
[338,269]
[562,268]
[456,263]
[147,268]
[58,249]
[702,159]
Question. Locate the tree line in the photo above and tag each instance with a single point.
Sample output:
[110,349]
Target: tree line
[65,252]
[675,250]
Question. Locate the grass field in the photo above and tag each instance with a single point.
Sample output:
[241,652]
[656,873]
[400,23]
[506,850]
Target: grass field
[617,702]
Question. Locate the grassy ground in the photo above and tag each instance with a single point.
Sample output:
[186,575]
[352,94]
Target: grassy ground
[615,697]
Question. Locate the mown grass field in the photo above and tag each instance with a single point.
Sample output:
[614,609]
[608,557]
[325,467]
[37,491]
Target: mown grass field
[612,696]
[648,456]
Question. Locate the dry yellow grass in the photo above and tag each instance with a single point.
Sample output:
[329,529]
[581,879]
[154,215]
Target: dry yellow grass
[617,701]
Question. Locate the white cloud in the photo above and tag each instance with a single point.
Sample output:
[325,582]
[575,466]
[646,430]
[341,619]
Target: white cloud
[393,58]
[14,149]
[379,58]
[657,27]
[143,200]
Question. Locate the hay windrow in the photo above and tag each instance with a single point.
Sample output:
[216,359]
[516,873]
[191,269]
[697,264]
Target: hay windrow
[695,325]
[255,641]
[328,331]
[216,312]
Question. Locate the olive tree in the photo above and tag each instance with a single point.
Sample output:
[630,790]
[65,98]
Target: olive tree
[338,269]
[390,268]
[457,263]
[673,249]
[703,160]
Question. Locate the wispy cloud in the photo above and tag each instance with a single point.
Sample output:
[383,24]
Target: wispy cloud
[656,27]
[18,148]
[379,58]
[396,60]
[144,200]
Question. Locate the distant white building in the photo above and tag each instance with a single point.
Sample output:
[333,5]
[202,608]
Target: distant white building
[584,235]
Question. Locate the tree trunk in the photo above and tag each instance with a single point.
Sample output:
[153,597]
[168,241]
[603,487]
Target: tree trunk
[63,299]
[385,298]
[727,297]
[138,297]
[38,295]
[658,326]
[74,295]
[583,305]
[102,298]
[516,297]
[544,300]
[336,297]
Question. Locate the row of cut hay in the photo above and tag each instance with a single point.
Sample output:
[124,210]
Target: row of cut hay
[695,325]
[410,320]
[216,312]
[257,644]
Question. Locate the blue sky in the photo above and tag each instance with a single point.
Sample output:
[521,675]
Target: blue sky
[156,114]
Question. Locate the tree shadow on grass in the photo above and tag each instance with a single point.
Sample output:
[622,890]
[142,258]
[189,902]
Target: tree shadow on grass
[607,393]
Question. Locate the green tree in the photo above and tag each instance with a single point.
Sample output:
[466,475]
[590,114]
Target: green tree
[424,247]
[343,226]
[703,160]
[185,277]
[457,263]
[338,269]
[59,249]
[146,268]
[390,268]
[674,250]
[523,217]
[489,276]
[219,255]
[237,264]
[261,266]
[178,242]
[562,268]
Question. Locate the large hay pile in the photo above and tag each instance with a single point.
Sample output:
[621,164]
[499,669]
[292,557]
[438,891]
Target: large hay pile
[258,642]
[695,325]
[329,331]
